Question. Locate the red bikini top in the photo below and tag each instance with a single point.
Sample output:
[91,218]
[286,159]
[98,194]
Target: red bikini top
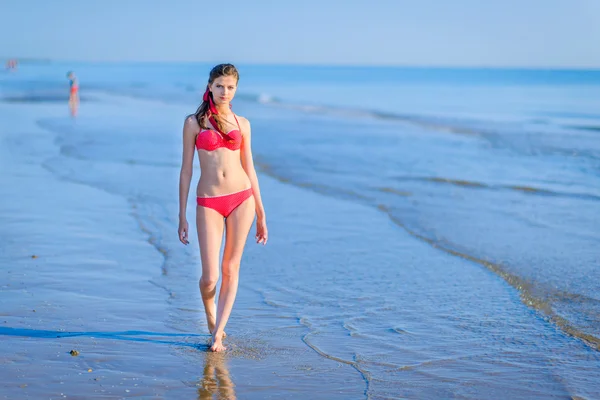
[212,139]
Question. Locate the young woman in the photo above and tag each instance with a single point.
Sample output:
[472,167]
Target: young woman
[228,195]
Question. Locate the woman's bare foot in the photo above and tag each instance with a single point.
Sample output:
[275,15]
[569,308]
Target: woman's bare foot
[217,344]
[211,328]
[224,335]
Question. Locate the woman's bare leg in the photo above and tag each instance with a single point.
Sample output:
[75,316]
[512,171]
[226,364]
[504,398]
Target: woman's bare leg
[237,227]
[210,235]
[73,103]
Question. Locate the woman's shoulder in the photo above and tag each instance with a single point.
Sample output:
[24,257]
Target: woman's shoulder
[191,121]
[191,124]
[244,122]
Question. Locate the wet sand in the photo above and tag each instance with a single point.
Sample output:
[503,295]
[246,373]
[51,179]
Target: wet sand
[79,273]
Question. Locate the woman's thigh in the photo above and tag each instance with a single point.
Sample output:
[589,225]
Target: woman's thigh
[238,226]
[209,224]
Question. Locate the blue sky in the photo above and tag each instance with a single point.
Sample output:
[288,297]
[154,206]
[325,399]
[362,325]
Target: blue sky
[529,33]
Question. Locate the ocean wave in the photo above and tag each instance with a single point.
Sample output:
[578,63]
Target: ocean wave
[482,185]
[498,133]
[545,301]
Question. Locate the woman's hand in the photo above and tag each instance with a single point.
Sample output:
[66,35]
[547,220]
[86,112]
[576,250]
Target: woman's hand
[183,231]
[262,233]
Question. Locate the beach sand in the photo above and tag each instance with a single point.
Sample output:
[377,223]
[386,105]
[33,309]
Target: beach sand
[324,311]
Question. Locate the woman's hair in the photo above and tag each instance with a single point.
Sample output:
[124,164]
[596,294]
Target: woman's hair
[203,111]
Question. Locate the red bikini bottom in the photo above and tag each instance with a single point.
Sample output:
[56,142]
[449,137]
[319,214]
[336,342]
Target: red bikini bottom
[225,204]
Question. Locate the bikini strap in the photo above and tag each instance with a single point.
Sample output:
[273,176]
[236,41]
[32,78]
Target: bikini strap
[238,123]
[213,122]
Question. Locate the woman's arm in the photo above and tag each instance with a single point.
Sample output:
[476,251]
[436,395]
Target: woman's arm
[248,165]
[190,130]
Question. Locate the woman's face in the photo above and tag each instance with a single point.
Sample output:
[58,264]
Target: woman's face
[223,89]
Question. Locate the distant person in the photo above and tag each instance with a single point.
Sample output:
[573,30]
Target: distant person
[228,196]
[11,64]
[73,92]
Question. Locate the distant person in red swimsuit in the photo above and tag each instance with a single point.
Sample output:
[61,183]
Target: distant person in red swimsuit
[228,196]
[73,93]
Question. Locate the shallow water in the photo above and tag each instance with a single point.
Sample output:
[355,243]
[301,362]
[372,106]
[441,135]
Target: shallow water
[429,257]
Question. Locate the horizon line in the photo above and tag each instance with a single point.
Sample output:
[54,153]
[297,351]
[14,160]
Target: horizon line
[313,64]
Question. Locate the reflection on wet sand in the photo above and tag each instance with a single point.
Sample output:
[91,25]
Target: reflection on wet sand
[216,382]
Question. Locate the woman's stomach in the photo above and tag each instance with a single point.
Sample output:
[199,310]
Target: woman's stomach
[220,176]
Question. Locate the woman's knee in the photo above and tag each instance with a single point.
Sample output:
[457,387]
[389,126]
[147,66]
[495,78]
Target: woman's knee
[209,281]
[231,269]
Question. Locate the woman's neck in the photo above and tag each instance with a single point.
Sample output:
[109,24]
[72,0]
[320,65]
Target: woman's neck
[223,109]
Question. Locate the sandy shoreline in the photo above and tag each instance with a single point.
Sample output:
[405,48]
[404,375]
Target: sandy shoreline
[62,275]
